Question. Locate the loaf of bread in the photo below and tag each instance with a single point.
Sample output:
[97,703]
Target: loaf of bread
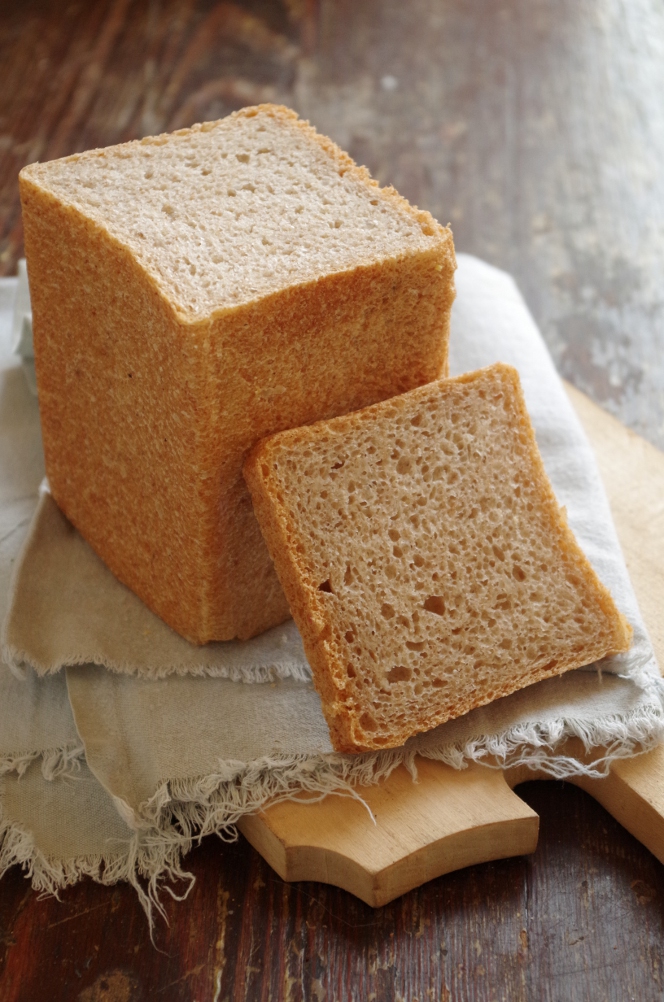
[427,563]
[193,293]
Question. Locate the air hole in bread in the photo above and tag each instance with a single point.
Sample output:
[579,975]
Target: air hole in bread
[325,586]
[436,604]
[387,610]
[399,673]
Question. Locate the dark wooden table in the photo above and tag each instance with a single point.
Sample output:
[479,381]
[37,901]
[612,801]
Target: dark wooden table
[536,127]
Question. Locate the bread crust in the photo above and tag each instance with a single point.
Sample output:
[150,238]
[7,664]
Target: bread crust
[390,708]
[148,408]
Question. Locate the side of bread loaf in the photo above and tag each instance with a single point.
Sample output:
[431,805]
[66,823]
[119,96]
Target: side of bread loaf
[191,294]
[425,558]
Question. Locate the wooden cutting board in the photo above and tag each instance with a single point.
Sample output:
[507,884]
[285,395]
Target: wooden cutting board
[450,819]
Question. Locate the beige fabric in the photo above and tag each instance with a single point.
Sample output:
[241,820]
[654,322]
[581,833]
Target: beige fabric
[35,720]
[68,817]
[140,734]
[210,749]
[67,608]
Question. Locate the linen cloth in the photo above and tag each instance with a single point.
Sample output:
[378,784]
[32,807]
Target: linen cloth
[193,752]
[67,608]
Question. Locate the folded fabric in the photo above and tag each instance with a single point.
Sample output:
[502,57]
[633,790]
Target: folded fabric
[68,609]
[204,752]
[56,819]
[193,753]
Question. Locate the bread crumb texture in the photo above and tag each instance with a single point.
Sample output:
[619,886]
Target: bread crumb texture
[425,558]
[229,211]
[191,294]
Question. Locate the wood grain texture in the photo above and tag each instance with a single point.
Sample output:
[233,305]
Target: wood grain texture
[535,127]
[580,920]
[632,471]
[416,831]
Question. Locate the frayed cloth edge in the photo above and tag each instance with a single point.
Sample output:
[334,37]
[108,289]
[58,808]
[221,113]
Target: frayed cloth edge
[146,861]
[63,760]
[18,661]
[215,802]
[639,667]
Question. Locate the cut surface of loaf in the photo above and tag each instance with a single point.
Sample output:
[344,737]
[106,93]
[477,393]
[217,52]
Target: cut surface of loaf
[426,560]
[229,211]
[191,294]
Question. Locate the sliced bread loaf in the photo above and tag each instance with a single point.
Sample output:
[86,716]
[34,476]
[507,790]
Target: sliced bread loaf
[191,294]
[425,558]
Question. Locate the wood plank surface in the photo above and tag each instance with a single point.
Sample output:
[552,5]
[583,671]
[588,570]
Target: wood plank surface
[416,831]
[535,127]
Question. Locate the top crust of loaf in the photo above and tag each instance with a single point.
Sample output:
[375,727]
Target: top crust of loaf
[228,212]
[425,558]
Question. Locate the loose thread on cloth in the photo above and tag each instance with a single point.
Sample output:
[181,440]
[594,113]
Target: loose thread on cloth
[215,802]
[145,862]
[20,661]
[56,762]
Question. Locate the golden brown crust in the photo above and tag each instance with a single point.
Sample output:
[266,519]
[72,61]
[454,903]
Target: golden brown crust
[147,416]
[559,615]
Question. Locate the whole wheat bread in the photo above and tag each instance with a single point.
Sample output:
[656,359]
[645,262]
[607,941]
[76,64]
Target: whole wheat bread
[191,294]
[425,558]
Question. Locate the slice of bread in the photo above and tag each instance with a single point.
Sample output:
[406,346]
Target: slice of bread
[425,558]
[191,294]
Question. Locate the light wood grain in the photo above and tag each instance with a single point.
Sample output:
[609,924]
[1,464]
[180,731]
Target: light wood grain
[633,474]
[450,819]
[443,822]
